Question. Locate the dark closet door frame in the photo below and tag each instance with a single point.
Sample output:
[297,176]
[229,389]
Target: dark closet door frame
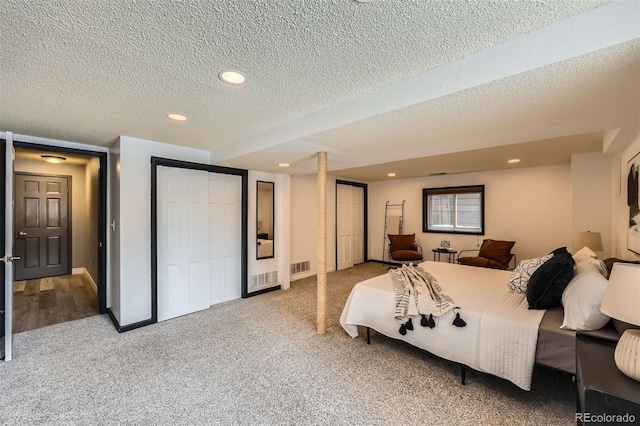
[167,162]
[365,223]
[102,208]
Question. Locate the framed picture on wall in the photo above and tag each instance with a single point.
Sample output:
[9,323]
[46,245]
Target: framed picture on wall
[633,201]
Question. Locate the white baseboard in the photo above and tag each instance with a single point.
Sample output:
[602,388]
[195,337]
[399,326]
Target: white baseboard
[87,275]
[301,275]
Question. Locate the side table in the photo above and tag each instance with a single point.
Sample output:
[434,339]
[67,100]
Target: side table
[604,392]
[439,251]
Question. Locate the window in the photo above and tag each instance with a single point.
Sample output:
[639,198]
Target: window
[457,210]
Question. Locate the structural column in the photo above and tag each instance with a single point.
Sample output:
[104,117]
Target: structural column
[322,243]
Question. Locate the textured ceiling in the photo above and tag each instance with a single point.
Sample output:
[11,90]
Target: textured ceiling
[89,71]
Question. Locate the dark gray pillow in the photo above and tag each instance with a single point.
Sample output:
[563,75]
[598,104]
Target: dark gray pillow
[549,281]
[562,251]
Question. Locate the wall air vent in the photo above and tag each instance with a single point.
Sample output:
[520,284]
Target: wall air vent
[267,279]
[299,267]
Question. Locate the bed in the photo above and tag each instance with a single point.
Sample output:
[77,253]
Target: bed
[265,248]
[502,336]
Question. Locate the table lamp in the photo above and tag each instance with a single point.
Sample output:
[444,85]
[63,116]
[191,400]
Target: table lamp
[593,240]
[622,302]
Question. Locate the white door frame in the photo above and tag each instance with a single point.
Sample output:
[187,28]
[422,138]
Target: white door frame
[157,161]
[365,205]
[8,248]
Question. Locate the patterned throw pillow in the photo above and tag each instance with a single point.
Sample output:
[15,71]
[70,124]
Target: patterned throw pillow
[521,275]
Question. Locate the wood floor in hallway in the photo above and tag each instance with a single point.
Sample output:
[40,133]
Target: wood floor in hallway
[45,301]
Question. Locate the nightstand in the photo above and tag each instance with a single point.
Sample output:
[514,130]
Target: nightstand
[602,389]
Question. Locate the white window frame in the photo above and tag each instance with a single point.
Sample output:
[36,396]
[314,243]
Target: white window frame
[427,214]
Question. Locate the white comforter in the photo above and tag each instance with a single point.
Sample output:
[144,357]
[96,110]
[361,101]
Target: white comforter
[265,248]
[501,333]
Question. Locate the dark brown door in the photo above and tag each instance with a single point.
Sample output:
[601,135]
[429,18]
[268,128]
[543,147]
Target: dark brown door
[41,226]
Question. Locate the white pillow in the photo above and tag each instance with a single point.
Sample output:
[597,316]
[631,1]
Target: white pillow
[520,276]
[591,265]
[584,253]
[581,300]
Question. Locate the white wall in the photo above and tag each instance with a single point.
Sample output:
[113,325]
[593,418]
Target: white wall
[280,263]
[591,198]
[304,222]
[531,206]
[133,225]
[620,210]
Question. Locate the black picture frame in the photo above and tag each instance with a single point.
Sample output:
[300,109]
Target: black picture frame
[270,227]
[427,192]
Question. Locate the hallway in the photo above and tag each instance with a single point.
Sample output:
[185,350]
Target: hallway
[52,300]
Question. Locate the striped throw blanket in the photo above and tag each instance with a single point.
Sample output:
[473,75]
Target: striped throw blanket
[418,293]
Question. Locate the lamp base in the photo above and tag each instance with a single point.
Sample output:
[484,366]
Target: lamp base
[627,354]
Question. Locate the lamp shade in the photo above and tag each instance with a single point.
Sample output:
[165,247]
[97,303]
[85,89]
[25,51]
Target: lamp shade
[622,297]
[593,240]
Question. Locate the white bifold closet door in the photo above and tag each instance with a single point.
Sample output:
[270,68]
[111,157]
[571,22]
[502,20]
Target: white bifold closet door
[358,224]
[199,240]
[350,225]
[225,237]
[183,241]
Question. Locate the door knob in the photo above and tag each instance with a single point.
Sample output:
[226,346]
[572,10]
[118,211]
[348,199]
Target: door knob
[22,234]
[8,259]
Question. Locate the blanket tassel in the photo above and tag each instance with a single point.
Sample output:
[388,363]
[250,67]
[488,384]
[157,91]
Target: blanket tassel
[409,324]
[427,322]
[459,322]
[406,326]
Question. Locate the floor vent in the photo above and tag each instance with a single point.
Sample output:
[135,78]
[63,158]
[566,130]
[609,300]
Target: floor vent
[296,268]
[266,279]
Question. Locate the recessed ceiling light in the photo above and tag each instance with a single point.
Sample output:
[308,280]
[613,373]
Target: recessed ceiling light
[514,161]
[55,159]
[283,164]
[391,174]
[177,117]
[232,77]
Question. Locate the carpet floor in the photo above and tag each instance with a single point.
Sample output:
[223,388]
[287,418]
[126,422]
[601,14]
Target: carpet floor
[257,361]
